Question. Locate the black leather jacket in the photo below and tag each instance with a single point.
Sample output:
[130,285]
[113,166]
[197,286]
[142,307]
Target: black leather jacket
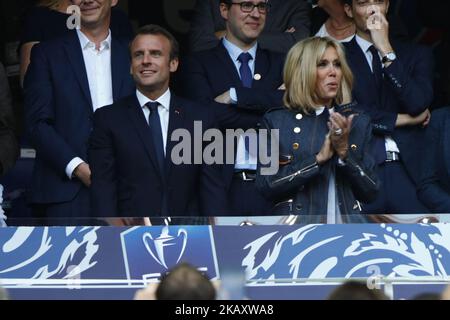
[301,185]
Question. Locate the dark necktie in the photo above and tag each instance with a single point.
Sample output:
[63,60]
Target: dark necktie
[378,145]
[246,79]
[246,73]
[377,69]
[155,128]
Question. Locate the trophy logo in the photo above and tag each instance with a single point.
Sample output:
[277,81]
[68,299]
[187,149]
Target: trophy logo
[166,249]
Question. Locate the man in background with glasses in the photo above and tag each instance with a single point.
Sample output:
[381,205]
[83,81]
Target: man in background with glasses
[287,22]
[238,76]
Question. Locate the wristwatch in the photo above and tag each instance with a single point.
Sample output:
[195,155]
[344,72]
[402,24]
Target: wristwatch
[389,57]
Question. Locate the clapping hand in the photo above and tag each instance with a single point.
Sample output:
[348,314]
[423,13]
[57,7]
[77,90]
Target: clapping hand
[340,127]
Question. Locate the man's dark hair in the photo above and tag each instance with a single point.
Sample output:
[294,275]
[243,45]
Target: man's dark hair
[349,2]
[153,29]
[227,2]
[353,290]
[184,282]
[427,296]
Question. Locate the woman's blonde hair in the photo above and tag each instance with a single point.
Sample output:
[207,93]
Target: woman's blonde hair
[51,4]
[300,74]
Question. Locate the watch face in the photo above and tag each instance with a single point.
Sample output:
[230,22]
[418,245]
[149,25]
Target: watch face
[391,56]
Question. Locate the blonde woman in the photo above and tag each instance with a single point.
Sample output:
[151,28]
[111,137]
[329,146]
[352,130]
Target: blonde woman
[324,163]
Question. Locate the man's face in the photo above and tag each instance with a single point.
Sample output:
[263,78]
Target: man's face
[150,63]
[361,10]
[244,27]
[94,12]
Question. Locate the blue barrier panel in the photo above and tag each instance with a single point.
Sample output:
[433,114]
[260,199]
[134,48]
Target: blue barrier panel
[70,260]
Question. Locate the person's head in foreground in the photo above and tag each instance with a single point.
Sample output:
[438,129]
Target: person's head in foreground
[446,294]
[353,290]
[3,294]
[184,282]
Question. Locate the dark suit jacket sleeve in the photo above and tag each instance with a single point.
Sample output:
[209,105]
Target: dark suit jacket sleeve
[203,25]
[259,99]
[414,89]
[383,122]
[360,167]
[103,169]
[429,190]
[196,86]
[40,112]
[9,146]
[299,18]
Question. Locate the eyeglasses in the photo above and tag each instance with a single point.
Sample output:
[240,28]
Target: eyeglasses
[248,6]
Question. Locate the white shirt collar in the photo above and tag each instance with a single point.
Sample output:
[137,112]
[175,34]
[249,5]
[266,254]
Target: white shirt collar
[235,51]
[163,100]
[364,44]
[86,43]
[320,110]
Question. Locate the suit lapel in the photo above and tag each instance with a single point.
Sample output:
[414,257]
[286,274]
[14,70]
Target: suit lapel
[73,50]
[119,69]
[262,65]
[361,68]
[176,121]
[227,65]
[140,124]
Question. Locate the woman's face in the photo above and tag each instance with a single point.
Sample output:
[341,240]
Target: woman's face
[329,75]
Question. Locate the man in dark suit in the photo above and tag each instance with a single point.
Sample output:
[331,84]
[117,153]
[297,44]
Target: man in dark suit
[434,185]
[9,145]
[136,167]
[393,81]
[237,74]
[68,79]
[287,23]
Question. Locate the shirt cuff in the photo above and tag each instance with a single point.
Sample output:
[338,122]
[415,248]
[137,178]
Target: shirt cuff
[233,95]
[341,163]
[73,164]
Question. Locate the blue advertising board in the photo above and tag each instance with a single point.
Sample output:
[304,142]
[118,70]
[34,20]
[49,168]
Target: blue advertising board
[127,258]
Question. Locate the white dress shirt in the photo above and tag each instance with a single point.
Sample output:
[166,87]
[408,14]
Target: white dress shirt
[389,143]
[243,160]
[163,111]
[98,70]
